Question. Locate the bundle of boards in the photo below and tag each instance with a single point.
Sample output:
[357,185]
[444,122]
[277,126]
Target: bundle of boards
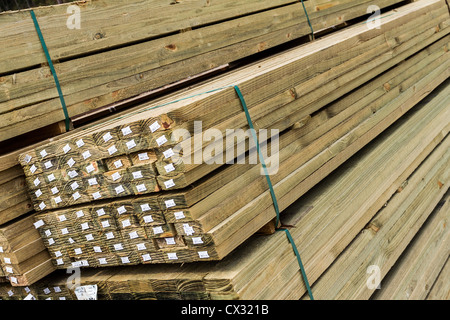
[99,62]
[365,213]
[378,75]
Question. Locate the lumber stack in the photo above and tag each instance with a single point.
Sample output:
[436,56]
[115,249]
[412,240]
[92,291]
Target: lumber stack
[333,226]
[221,209]
[100,63]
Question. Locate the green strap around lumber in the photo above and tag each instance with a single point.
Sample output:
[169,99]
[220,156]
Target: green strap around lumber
[272,192]
[307,18]
[50,64]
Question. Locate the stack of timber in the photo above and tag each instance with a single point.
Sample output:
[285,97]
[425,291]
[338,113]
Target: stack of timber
[386,190]
[99,63]
[221,209]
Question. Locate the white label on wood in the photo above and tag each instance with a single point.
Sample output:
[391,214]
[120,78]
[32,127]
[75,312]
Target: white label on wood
[161,140]
[85,226]
[118,246]
[145,207]
[197,240]
[119,189]
[54,190]
[10,293]
[170,240]
[172,256]
[169,183]
[80,213]
[141,187]
[70,162]
[118,164]
[121,209]
[179,215]
[92,181]
[57,199]
[133,235]
[148,219]
[168,153]
[51,177]
[154,126]
[47,291]
[48,164]
[57,289]
[170,203]
[38,193]
[38,224]
[100,212]
[33,169]
[158,230]
[105,224]
[78,251]
[64,231]
[9,270]
[102,261]
[58,254]
[141,246]
[110,235]
[36,182]
[116,176]
[27,158]
[42,205]
[125,259]
[27,290]
[146,257]
[1,250]
[131,144]
[62,218]
[126,131]
[126,223]
[143,156]
[90,168]
[7,260]
[66,148]
[188,229]
[169,168]
[137,175]
[48,233]
[88,292]
[43,153]
[97,249]
[80,143]
[74,185]
[96,195]
[13,279]
[72,174]
[71,241]
[89,237]
[203,254]
[86,154]
[107,137]
[112,150]
[76,195]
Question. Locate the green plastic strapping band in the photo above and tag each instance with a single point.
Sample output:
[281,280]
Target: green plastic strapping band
[272,191]
[52,69]
[307,18]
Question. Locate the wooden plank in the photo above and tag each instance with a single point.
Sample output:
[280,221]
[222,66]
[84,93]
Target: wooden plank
[440,289]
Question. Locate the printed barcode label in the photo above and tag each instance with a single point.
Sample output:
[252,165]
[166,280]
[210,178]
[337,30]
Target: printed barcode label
[89,237]
[58,254]
[141,187]
[7,260]
[126,223]
[126,131]
[71,241]
[121,209]
[70,162]
[27,158]
[112,150]
[188,229]
[85,226]
[118,246]
[170,203]
[47,291]
[97,249]
[146,257]
[48,233]
[143,156]
[48,164]
[36,182]
[137,175]
[203,254]
[54,190]
[161,140]
[148,219]
[145,207]
[125,259]
[76,195]
[62,218]
[86,154]
[80,213]
[57,199]
[66,148]
[90,168]
[141,246]
[169,183]
[118,164]
[119,189]
[172,256]
[107,137]
[78,251]
[100,212]
[64,231]
[92,181]
[13,279]
[169,168]
[133,235]
[57,289]
[105,224]
[39,224]
[102,261]
[157,230]
[154,126]
[96,195]
[43,153]
[197,240]
[9,270]
[51,177]
[131,144]
[74,185]
[42,205]
[110,235]
[33,169]
[170,240]
[168,153]
[38,193]
[179,215]
[80,143]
